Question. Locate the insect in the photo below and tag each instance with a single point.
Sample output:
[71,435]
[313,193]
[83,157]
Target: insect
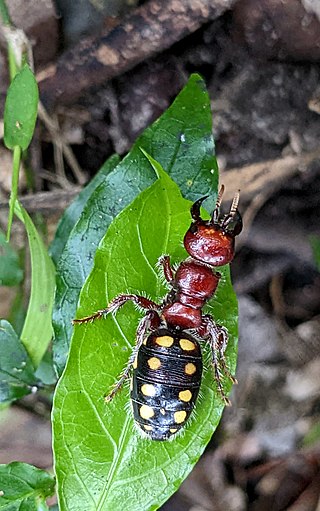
[167,358]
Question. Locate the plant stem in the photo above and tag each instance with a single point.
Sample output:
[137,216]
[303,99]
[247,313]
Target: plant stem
[14,187]
[12,63]
[4,13]
[6,21]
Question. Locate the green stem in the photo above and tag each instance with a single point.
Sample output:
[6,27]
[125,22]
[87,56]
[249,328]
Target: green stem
[5,18]
[14,187]
[12,63]
[4,13]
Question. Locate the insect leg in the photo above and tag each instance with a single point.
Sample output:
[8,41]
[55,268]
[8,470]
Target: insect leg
[217,337]
[150,321]
[222,343]
[164,261]
[116,303]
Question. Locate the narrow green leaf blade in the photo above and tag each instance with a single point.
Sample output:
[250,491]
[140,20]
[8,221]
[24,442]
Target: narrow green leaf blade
[24,487]
[73,212]
[37,330]
[20,111]
[181,140]
[101,460]
[16,370]
[11,273]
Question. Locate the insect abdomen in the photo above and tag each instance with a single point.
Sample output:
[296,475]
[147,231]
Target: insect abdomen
[165,382]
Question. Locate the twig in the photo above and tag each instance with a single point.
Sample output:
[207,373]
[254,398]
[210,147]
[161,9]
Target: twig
[146,31]
[61,147]
[258,177]
[259,181]
[47,203]
[55,178]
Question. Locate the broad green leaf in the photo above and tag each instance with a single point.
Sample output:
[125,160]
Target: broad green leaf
[20,111]
[101,460]
[11,273]
[76,260]
[73,212]
[24,487]
[17,377]
[181,140]
[37,330]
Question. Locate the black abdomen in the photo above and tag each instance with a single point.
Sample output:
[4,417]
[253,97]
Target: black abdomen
[165,382]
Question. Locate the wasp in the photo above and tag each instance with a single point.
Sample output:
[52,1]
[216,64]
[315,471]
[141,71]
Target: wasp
[166,362]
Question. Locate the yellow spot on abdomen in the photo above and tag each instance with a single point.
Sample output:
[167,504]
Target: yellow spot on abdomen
[146,412]
[187,345]
[185,395]
[148,390]
[190,368]
[147,427]
[165,340]
[154,363]
[180,416]
[135,363]
[173,430]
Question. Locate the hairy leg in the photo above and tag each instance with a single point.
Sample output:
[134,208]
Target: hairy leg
[151,321]
[116,303]
[217,336]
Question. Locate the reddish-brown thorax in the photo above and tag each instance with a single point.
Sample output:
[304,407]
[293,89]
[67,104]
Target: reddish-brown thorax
[194,284]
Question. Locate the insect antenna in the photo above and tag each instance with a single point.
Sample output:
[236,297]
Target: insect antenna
[216,211]
[233,211]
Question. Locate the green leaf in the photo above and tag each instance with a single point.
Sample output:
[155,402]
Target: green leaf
[45,372]
[4,13]
[14,187]
[20,111]
[10,272]
[20,114]
[24,487]
[315,245]
[312,437]
[17,377]
[181,140]
[102,462]
[37,330]
[73,212]
[17,313]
